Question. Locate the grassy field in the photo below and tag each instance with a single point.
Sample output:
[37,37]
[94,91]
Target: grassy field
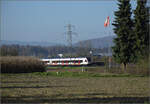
[93,69]
[101,69]
[49,88]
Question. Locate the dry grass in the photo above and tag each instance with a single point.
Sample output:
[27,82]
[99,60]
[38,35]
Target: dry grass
[34,88]
[20,64]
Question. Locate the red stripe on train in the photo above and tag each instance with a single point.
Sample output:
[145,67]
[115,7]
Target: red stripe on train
[78,62]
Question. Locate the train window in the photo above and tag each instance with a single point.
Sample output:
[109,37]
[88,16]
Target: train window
[68,61]
[46,61]
[76,61]
[71,61]
[80,61]
[54,61]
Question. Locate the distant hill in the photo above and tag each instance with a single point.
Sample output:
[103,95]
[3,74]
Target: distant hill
[98,42]
[5,42]
[95,43]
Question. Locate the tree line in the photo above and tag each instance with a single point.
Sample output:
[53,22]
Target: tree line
[132,41]
[49,51]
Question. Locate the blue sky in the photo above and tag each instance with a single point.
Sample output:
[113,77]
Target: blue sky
[45,20]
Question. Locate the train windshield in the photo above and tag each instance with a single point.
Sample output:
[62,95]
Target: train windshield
[89,59]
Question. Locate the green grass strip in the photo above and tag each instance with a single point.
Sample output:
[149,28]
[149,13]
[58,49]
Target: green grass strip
[83,74]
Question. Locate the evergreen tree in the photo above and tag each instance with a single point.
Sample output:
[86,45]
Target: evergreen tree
[141,28]
[123,50]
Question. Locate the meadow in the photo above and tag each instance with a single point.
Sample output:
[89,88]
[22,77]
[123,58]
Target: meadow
[26,80]
[74,87]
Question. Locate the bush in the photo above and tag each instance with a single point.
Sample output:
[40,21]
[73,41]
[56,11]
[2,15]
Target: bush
[21,64]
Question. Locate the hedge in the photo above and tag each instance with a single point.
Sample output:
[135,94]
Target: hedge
[21,64]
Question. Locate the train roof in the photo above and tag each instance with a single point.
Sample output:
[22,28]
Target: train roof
[65,58]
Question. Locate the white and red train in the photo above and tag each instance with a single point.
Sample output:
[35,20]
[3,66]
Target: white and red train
[66,61]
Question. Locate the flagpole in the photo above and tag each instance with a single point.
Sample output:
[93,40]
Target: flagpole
[106,24]
[109,50]
[109,42]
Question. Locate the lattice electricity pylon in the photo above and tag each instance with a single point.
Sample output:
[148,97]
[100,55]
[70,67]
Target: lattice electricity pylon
[70,33]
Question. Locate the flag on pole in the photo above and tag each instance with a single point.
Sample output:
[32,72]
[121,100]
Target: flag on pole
[106,22]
